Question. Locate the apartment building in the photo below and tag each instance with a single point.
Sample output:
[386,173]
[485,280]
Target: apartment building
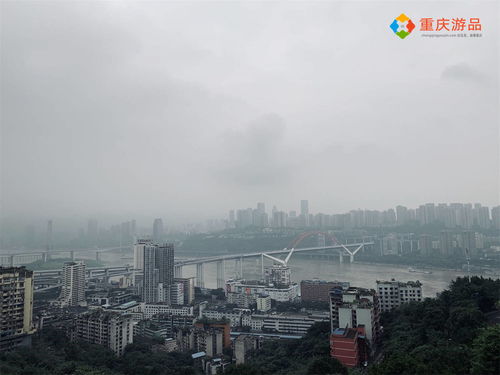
[394,293]
[110,329]
[16,307]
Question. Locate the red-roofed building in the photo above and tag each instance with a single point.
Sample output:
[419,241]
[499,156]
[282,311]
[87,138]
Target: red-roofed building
[348,345]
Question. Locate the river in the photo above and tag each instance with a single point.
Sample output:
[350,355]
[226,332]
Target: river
[357,274]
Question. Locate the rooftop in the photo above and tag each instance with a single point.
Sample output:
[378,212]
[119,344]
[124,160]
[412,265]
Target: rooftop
[358,302]
[21,270]
[125,305]
[102,314]
[320,282]
[416,283]
[360,291]
[349,333]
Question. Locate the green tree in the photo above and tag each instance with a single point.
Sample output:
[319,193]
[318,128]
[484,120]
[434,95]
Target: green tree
[326,366]
[244,369]
[486,352]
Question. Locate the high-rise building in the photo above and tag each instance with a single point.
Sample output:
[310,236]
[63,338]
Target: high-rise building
[426,214]
[73,284]
[443,215]
[304,207]
[278,275]
[244,218]
[335,303]
[176,294]
[158,272]
[446,243]
[304,213]
[390,244]
[468,243]
[394,293]
[151,275]
[357,218]
[495,217]
[279,219]
[16,307]
[389,217]
[481,216]
[158,230]
[188,289]
[259,216]
[359,307]
[457,215]
[139,253]
[425,245]
[401,215]
[256,218]
[110,329]
[164,262]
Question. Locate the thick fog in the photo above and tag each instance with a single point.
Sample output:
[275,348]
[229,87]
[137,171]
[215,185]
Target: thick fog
[185,110]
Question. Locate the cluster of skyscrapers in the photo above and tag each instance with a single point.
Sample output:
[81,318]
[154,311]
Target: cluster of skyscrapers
[258,217]
[451,215]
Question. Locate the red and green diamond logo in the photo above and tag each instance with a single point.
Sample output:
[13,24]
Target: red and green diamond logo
[402,26]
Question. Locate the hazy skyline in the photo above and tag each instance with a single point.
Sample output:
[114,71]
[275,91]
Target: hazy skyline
[186,110]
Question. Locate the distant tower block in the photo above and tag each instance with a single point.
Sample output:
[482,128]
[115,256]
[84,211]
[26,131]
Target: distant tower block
[158,230]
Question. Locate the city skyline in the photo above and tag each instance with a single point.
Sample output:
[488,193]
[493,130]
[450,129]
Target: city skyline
[138,226]
[249,187]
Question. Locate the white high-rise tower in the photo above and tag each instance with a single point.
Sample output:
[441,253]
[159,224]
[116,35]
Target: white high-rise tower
[73,279]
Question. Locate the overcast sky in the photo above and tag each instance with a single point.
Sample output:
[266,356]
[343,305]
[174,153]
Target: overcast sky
[185,110]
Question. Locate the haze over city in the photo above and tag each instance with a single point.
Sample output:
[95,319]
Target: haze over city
[184,111]
[249,187]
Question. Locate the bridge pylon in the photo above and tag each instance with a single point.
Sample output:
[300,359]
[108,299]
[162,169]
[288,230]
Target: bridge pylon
[351,253]
[178,271]
[238,263]
[221,280]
